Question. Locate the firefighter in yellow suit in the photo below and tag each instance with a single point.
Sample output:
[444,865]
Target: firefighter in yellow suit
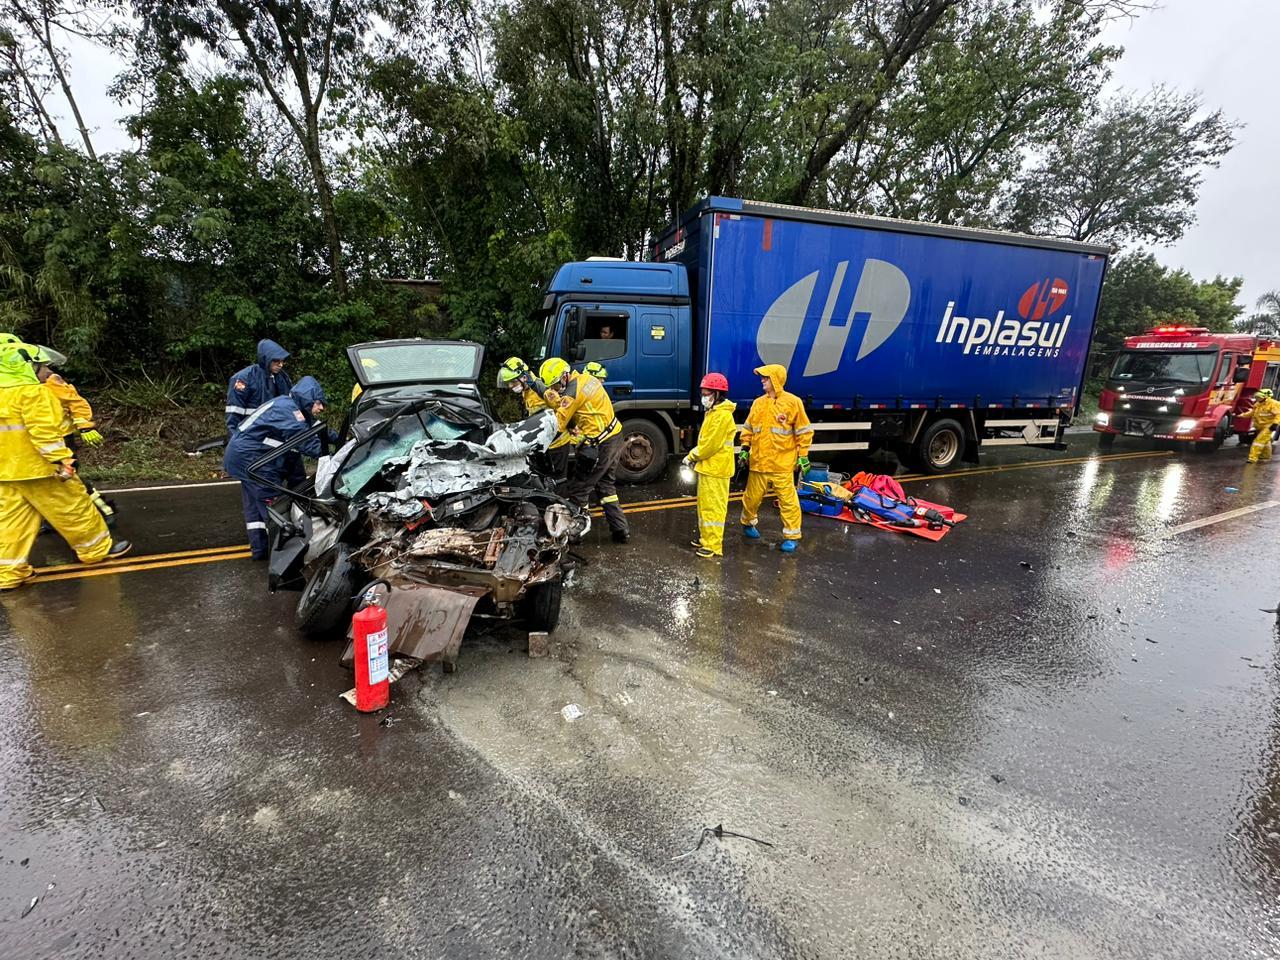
[775,440]
[712,460]
[583,408]
[514,374]
[1265,412]
[77,420]
[35,467]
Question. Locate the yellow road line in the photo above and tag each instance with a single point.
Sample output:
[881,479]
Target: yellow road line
[184,558]
[100,571]
[148,558]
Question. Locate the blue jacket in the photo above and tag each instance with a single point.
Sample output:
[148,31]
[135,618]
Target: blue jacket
[253,386]
[271,425]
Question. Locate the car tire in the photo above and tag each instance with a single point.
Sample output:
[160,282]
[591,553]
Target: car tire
[645,449]
[1106,440]
[540,608]
[940,446]
[326,599]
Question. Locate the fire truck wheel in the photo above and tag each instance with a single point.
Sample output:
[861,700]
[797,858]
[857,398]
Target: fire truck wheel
[1220,435]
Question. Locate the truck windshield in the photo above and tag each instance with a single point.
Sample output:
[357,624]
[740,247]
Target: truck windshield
[1165,368]
[544,336]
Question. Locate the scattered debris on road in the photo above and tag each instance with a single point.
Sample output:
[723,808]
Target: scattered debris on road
[719,832]
[571,712]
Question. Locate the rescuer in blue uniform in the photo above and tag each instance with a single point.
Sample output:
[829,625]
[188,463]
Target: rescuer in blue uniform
[274,423]
[250,388]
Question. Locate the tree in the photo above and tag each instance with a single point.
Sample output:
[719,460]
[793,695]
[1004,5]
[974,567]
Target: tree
[31,36]
[1266,322]
[300,51]
[1131,174]
[1140,293]
[1000,80]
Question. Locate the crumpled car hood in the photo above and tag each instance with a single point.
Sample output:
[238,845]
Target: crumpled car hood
[435,469]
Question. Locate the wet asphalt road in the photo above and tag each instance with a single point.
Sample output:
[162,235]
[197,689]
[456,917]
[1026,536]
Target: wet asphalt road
[1055,734]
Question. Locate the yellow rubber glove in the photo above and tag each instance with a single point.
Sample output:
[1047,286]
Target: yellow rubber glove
[91,436]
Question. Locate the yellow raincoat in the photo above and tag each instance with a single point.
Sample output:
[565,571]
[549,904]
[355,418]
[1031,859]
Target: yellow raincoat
[777,433]
[1264,413]
[712,459]
[76,413]
[31,444]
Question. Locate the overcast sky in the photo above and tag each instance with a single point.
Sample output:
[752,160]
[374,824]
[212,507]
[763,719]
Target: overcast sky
[1226,49]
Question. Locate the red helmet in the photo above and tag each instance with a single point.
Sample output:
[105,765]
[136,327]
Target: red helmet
[714,381]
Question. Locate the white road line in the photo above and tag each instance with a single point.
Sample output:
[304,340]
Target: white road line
[174,486]
[1219,517]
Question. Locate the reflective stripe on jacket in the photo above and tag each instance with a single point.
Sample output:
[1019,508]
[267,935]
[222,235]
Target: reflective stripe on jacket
[585,406]
[30,432]
[713,456]
[777,430]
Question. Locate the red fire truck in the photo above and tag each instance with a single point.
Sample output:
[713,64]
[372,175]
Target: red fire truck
[1186,384]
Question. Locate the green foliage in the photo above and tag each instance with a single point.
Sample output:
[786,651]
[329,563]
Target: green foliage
[1139,294]
[146,389]
[1132,174]
[309,158]
[1266,321]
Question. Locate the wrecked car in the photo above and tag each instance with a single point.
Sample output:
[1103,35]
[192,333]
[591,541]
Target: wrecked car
[429,499]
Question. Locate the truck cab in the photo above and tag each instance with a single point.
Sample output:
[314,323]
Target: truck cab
[1184,384]
[633,318]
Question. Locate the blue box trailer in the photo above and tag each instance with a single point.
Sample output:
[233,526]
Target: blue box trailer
[932,341]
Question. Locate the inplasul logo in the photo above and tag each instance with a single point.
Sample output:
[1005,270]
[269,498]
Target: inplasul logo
[882,296]
[1032,336]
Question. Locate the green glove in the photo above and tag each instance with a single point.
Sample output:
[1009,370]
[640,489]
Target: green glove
[91,436]
[744,454]
[803,464]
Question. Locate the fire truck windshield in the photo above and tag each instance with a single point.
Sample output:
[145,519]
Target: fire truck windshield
[1163,368]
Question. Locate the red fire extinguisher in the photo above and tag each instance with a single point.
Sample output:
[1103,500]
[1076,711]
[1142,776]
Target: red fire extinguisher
[369,636]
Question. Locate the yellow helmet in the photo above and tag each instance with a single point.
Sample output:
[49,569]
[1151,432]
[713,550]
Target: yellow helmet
[596,370]
[552,370]
[512,369]
[1264,394]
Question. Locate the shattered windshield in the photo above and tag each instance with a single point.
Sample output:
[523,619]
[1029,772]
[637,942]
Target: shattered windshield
[366,460]
[1160,367]
[416,362]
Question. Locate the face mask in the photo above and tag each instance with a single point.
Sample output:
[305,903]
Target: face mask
[707,401]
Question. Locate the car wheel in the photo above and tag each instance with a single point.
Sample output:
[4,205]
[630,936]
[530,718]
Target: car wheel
[1106,440]
[326,599]
[540,608]
[645,448]
[939,446]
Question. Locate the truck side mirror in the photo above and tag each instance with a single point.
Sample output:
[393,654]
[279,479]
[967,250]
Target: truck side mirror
[1241,375]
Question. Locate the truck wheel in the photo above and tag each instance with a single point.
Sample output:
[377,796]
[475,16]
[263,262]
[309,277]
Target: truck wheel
[1106,440]
[939,446]
[540,608]
[1245,439]
[326,599]
[645,449]
[1220,435]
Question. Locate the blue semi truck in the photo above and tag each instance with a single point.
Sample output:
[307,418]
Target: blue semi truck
[932,341]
